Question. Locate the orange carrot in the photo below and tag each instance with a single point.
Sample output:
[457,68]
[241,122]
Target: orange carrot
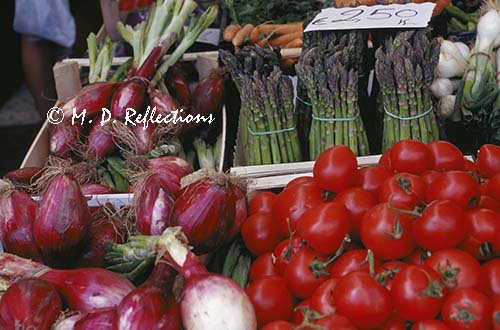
[296,43]
[286,38]
[231,31]
[239,38]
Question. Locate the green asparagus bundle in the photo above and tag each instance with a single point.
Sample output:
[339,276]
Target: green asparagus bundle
[267,120]
[405,70]
[330,75]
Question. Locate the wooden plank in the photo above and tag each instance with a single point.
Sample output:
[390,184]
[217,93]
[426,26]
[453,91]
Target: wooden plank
[67,78]
[39,149]
[110,16]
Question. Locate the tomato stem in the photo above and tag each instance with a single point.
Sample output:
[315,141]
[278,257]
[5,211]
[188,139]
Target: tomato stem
[413,212]
[464,315]
[435,288]
[310,315]
[318,267]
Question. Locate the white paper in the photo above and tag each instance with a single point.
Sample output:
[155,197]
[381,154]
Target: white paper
[411,15]
[210,36]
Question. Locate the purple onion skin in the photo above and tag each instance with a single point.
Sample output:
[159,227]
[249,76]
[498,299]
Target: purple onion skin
[95,189]
[153,207]
[130,94]
[24,175]
[62,222]
[163,102]
[147,308]
[29,304]
[144,137]
[173,164]
[100,319]
[63,138]
[92,98]
[17,214]
[209,214]
[88,289]
[100,140]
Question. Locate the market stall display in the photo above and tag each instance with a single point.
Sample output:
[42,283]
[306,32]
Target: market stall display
[347,208]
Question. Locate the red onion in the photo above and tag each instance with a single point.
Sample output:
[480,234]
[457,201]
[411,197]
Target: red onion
[147,308]
[144,137]
[91,98]
[207,301]
[63,138]
[29,304]
[129,95]
[62,222]
[95,189]
[24,175]
[100,140]
[178,85]
[210,212]
[163,102]
[153,205]
[176,166]
[17,214]
[67,322]
[97,320]
[104,228]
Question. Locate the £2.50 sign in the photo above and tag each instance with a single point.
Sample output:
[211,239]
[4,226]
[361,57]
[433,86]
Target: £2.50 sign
[411,15]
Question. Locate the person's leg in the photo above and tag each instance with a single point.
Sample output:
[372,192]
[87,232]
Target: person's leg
[38,58]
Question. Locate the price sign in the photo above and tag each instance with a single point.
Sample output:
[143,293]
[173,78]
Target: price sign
[411,15]
[210,36]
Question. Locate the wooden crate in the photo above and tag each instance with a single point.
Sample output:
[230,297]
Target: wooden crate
[68,83]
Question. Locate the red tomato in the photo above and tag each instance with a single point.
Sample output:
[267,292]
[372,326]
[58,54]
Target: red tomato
[293,202]
[333,321]
[324,226]
[456,186]
[299,311]
[487,202]
[285,250]
[411,156]
[300,180]
[417,293]
[260,233]
[403,190]
[279,325]
[370,178]
[467,309]
[263,266]
[430,325]
[458,269]
[417,257]
[494,187]
[385,160]
[490,277]
[362,300]
[495,316]
[271,299]
[394,323]
[488,160]
[440,226]
[483,188]
[336,168]
[429,176]
[357,201]
[446,156]
[387,232]
[262,202]
[470,166]
[483,226]
[351,261]
[322,298]
[385,273]
[304,274]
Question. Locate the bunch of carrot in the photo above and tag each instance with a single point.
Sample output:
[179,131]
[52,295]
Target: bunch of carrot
[275,35]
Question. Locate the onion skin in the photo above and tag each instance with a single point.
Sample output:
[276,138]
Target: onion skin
[99,319]
[88,289]
[17,214]
[95,189]
[178,85]
[153,206]
[62,222]
[92,97]
[102,230]
[129,95]
[147,308]
[144,137]
[24,175]
[100,140]
[163,102]
[207,301]
[210,212]
[29,304]
[68,323]
[63,138]
[177,166]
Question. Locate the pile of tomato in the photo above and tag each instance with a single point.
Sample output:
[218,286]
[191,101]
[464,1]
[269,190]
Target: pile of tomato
[411,243]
